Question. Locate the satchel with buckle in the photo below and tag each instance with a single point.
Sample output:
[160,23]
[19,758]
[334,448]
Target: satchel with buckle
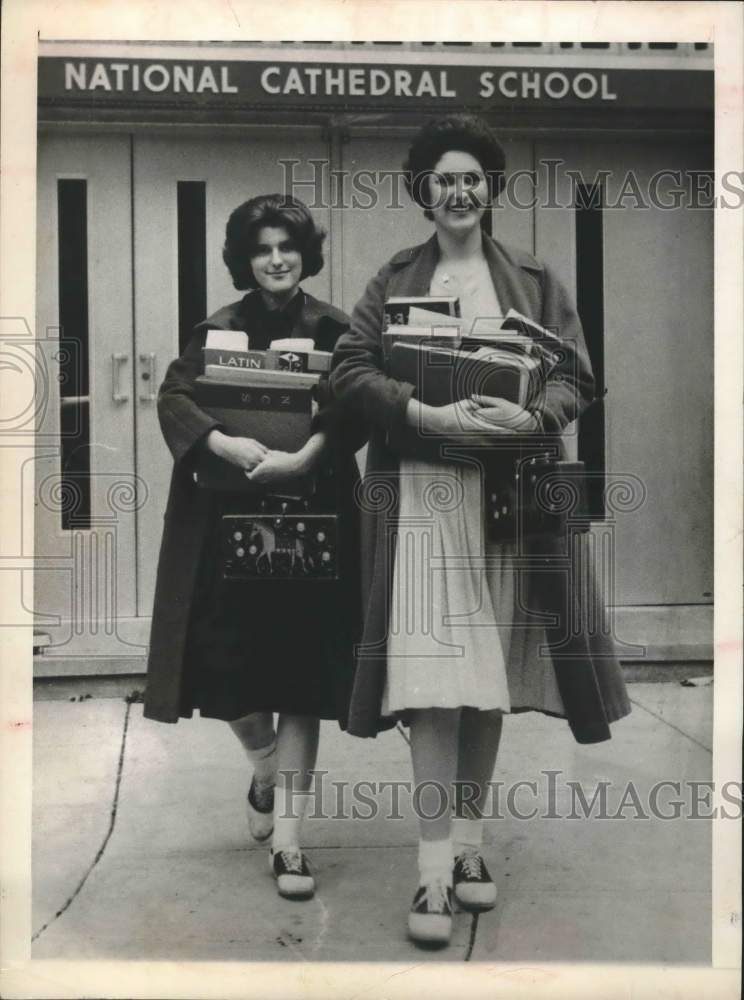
[543,496]
[280,539]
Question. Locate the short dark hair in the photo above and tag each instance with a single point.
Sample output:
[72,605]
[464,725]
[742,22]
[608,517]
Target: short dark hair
[465,133]
[279,210]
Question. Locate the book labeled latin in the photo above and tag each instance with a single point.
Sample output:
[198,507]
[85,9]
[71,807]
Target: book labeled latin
[292,361]
[249,360]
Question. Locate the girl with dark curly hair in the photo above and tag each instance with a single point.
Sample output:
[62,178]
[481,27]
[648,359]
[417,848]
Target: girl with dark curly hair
[456,632]
[241,651]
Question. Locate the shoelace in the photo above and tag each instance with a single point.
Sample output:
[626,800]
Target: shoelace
[472,865]
[436,897]
[292,861]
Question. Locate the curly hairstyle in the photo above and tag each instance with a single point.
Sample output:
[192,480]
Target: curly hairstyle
[464,133]
[279,210]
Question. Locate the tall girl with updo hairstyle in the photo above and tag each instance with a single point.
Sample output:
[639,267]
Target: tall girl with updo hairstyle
[459,629]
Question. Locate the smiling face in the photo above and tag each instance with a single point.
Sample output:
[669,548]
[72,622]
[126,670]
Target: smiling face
[458,193]
[276,263]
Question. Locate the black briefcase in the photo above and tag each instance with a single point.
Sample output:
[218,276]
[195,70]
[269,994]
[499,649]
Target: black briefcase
[540,496]
[288,544]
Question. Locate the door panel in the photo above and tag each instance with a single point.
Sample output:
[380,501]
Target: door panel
[658,356]
[84,578]
[371,235]
[233,171]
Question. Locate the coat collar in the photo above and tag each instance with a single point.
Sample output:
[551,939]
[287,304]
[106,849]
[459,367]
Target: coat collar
[508,267]
[315,310]
[514,256]
[303,311]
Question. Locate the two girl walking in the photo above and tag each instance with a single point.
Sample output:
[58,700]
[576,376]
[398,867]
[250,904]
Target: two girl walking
[431,623]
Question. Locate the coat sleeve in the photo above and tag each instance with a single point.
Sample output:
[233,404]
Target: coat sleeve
[358,375]
[570,387]
[346,429]
[183,423]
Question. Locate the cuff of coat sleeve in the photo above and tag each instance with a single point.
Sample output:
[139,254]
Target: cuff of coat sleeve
[190,453]
[397,413]
[551,411]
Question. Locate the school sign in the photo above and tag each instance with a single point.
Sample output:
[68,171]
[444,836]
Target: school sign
[264,85]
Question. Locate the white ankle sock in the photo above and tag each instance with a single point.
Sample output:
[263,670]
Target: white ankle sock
[435,861]
[467,834]
[264,763]
[289,811]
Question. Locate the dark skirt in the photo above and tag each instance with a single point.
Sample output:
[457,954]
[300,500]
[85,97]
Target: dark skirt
[271,645]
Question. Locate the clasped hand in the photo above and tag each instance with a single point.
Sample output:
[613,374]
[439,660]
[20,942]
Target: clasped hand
[259,464]
[275,467]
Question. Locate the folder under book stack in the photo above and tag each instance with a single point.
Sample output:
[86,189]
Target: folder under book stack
[445,375]
[266,395]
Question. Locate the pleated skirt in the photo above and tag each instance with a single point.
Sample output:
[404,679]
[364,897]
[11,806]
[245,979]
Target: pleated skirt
[453,639]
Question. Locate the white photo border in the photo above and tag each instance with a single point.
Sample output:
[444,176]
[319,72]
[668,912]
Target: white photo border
[235,20]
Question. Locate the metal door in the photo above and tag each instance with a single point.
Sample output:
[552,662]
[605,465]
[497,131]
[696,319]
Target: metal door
[86,490]
[657,290]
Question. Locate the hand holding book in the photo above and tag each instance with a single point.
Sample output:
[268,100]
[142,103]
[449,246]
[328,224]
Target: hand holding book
[505,415]
[244,452]
[277,467]
[481,415]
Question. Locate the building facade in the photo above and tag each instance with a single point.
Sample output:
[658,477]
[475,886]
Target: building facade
[145,149]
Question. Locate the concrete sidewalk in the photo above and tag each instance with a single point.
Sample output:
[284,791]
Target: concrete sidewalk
[141,848]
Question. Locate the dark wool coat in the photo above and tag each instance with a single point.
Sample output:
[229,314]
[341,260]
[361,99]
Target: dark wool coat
[588,674]
[191,511]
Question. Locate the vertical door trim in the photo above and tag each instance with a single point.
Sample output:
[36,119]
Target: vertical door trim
[336,140]
[133,368]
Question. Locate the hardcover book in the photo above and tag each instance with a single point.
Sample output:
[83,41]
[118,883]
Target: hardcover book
[519,323]
[397,309]
[417,335]
[445,375]
[271,360]
[230,349]
[261,376]
[279,416]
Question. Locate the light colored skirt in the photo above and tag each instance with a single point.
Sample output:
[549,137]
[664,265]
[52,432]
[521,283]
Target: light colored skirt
[453,640]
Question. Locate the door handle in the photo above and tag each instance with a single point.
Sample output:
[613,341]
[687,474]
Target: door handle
[117,360]
[147,374]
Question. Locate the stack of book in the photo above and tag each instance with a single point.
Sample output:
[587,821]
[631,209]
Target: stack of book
[507,357]
[292,361]
[433,319]
[266,395]
[444,375]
